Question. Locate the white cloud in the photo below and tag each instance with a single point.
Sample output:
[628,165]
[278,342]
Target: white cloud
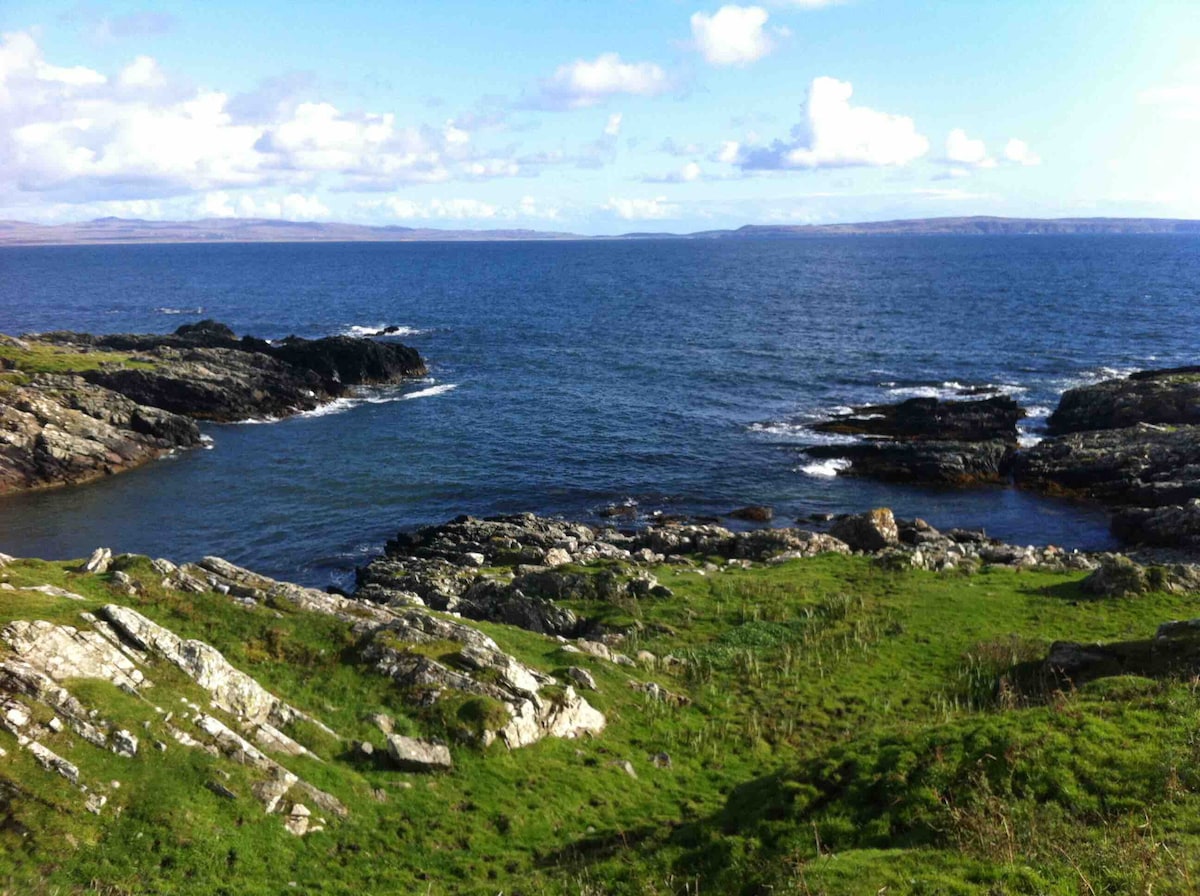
[1181,101]
[728,152]
[964,150]
[733,35]
[690,172]
[292,207]
[72,134]
[142,72]
[834,134]
[1018,151]
[443,209]
[613,127]
[807,4]
[640,209]
[585,82]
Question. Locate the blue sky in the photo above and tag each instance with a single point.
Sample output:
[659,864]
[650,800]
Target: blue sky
[599,117]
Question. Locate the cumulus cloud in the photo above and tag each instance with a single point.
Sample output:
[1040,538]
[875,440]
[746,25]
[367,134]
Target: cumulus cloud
[834,133]
[640,209]
[584,82]
[733,35]
[72,134]
[142,72]
[1018,151]
[689,173]
[613,128]
[964,150]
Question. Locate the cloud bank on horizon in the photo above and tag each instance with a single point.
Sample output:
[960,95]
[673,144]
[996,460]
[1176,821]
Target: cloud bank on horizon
[499,115]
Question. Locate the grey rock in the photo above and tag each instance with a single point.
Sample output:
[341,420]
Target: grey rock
[412,754]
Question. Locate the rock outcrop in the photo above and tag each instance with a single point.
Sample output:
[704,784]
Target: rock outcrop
[61,430]
[927,440]
[1132,444]
[133,398]
[1169,397]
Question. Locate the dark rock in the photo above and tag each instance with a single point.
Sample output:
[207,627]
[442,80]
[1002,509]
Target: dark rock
[1073,664]
[1143,465]
[921,461]
[1175,525]
[754,513]
[930,419]
[1170,397]
[343,361]
[206,330]
[925,440]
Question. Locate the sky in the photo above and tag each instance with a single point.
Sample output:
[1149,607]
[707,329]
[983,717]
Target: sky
[599,116]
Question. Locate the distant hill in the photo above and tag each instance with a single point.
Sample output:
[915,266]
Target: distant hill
[262,230]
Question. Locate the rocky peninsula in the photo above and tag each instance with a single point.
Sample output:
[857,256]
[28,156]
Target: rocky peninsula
[76,407]
[1130,444]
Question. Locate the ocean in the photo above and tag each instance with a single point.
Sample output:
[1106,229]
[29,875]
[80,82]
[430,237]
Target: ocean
[569,376]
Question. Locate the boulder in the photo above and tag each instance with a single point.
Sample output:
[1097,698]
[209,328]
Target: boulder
[870,531]
[931,419]
[411,754]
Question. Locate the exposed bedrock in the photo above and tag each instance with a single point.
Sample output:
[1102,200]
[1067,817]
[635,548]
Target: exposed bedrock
[75,407]
[1169,396]
[1132,444]
[926,440]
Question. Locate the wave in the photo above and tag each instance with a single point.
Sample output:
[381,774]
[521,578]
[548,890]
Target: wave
[359,331]
[953,389]
[430,392]
[207,443]
[1038,411]
[179,310]
[1092,376]
[801,433]
[825,469]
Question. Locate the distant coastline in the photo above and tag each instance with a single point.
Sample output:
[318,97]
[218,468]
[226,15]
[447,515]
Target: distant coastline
[124,231]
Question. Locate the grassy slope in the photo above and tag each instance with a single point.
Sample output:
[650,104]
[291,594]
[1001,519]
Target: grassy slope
[843,737]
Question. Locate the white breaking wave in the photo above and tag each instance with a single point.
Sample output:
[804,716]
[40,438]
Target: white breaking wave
[1093,376]
[431,391]
[801,433]
[826,469]
[1038,411]
[179,310]
[377,330]
[955,389]
[207,443]
[1028,439]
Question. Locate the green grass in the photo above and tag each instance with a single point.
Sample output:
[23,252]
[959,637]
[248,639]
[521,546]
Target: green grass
[844,735]
[42,357]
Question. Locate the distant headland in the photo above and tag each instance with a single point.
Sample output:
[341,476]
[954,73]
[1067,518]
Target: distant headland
[119,231]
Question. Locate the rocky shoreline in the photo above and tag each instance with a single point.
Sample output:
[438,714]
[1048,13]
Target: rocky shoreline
[1131,445]
[76,407]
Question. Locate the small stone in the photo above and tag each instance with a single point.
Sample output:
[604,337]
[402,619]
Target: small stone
[661,760]
[582,677]
[383,722]
[626,766]
[557,557]
[94,803]
[55,725]
[124,743]
[99,562]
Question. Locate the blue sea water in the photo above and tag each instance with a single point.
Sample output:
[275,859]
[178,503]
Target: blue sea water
[569,376]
